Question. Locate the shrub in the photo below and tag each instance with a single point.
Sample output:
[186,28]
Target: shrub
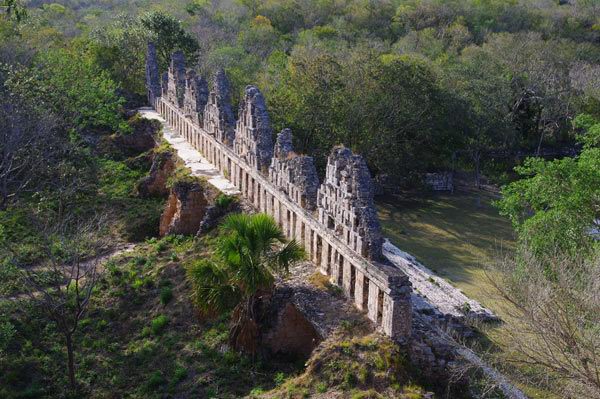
[158,324]
[166,294]
[155,381]
[279,378]
[223,200]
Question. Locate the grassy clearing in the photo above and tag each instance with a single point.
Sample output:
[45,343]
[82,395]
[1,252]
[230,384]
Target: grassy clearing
[456,236]
[452,235]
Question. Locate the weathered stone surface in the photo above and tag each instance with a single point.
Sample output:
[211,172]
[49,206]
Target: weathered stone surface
[195,97]
[176,79]
[219,119]
[155,184]
[295,175]
[253,135]
[152,73]
[345,203]
[184,211]
[292,334]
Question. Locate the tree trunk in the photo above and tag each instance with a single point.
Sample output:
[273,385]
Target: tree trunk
[71,361]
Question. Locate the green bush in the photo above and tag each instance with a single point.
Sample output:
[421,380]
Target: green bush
[166,294]
[155,381]
[158,324]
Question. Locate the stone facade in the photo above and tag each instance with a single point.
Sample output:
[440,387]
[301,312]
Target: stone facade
[296,175]
[253,134]
[218,115]
[176,79]
[345,203]
[152,74]
[195,97]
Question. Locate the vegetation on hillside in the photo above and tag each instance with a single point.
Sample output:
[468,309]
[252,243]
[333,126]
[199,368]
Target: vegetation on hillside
[413,85]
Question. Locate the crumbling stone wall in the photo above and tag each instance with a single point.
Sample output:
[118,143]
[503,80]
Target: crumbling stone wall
[296,175]
[176,79]
[345,203]
[152,74]
[253,134]
[195,97]
[185,209]
[218,115]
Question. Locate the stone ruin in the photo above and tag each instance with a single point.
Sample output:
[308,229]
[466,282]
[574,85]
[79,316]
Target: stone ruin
[345,203]
[218,116]
[336,222]
[253,134]
[152,74]
[296,175]
[195,97]
[176,78]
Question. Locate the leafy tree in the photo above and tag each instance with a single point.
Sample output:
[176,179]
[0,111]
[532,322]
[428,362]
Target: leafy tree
[79,92]
[14,9]
[251,250]
[168,35]
[556,205]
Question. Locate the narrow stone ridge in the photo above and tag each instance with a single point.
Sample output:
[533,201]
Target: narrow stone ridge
[285,185]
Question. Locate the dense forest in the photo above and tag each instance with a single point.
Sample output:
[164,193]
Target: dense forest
[505,90]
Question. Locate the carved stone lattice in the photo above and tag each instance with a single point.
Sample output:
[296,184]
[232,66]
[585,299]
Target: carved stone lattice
[218,115]
[345,203]
[195,97]
[253,137]
[295,175]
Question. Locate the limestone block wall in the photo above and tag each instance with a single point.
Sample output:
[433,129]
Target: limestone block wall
[379,289]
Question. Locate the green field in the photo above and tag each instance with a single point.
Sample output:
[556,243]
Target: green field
[451,234]
[457,237]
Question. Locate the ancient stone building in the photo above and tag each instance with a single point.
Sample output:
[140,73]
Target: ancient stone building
[176,79]
[152,74]
[296,175]
[195,97]
[344,241]
[218,115]
[345,203]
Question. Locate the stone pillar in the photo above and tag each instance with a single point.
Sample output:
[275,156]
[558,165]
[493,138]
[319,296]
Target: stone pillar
[373,305]
[347,282]
[308,241]
[335,268]
[359,294]
[324,266]
[397,316]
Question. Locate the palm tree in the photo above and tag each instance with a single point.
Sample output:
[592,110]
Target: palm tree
[251,251]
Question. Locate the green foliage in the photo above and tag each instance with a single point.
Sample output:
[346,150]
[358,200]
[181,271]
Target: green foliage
[79,91]
[554,207]
[7,332]
[166,294]
[159,324]
[168,35]
[223,201]
[250,250]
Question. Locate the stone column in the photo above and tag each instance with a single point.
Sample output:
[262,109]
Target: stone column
[397,316]
[347,282]
[359,284]
[324,266]
[335,268]
[373,306]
